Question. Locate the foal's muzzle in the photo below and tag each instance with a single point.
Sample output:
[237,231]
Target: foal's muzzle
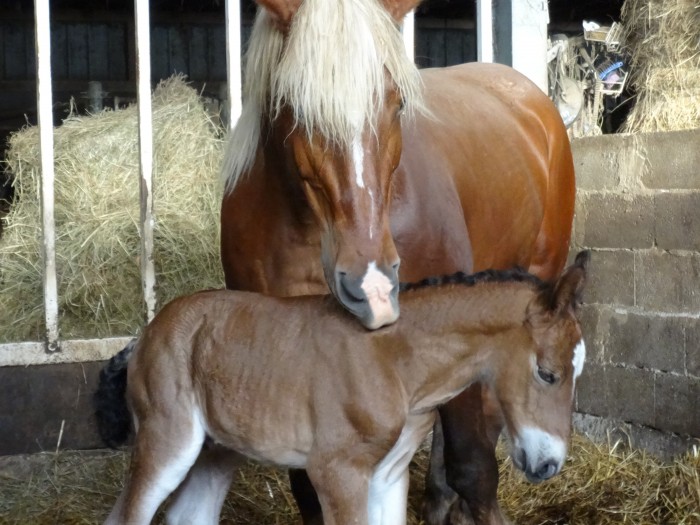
[538,454]
[373,297]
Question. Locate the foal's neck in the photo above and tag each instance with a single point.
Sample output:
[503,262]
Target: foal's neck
[457,336]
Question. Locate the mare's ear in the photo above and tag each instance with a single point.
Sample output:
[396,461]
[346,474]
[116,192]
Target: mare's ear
[563,294]
[568,289]
[282,11]
[399,8]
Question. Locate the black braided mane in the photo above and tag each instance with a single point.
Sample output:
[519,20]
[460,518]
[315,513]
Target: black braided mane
[487,276]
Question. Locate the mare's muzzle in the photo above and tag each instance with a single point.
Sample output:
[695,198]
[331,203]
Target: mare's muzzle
[373,297]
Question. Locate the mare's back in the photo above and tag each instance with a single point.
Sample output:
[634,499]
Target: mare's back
[488,143]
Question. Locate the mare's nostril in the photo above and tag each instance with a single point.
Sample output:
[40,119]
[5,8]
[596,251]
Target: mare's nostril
[348,290]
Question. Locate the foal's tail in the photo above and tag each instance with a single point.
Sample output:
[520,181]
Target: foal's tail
[111,411]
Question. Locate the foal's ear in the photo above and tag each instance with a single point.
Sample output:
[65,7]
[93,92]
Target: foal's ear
[282,11]
[399,8]
[568,289]
[564,293]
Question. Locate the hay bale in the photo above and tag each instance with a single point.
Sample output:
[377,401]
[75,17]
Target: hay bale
[663,41]
[97,215]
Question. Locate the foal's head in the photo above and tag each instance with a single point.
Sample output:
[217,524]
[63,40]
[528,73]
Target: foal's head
[333,80]
[536,382]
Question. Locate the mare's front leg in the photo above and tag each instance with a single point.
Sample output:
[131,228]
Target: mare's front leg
[470,427]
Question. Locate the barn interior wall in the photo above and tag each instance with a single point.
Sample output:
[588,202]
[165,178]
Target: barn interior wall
[637,208]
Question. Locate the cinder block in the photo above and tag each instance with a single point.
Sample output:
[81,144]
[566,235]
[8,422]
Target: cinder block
[606,220]
[667,282]
[594,324]
[597,161]
[677,407]
[678,221]
[591,390]
[692,349]
[647,341]
[672,160]
[611,278]
[630,394]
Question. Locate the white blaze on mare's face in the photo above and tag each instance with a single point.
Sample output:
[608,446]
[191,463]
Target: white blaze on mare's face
[358,157]
[371,224]
[377,288]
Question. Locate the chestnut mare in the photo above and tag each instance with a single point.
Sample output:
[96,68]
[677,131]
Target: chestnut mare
[296,382]
[347,160]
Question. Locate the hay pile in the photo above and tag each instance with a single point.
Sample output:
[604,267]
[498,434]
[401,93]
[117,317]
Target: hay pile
[663,40]
[600,485]
[97,215]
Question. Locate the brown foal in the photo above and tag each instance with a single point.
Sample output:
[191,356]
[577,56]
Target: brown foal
[298,383]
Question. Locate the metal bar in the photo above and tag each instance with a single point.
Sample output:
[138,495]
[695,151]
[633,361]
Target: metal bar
[72,351]
[233,60]
[143,81]
[45,111]
[484,30]
[408,30]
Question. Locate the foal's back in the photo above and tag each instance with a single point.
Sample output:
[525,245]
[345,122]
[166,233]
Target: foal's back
[263,369]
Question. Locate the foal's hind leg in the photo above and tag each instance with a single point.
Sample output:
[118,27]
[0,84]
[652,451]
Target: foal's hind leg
[200,497]
[164,450]
[470,463]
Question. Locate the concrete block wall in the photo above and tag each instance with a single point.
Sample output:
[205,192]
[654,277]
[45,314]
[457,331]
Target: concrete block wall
[638,209]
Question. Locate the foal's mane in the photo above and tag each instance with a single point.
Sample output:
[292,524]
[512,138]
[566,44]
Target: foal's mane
[329,70]
[517,275]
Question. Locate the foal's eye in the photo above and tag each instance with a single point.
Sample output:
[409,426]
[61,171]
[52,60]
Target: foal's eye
[546,376]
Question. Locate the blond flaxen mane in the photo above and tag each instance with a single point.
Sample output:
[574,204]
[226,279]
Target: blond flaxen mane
[329,70]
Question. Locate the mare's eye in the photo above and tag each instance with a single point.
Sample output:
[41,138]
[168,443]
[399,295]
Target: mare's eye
[545,375]
[402,106]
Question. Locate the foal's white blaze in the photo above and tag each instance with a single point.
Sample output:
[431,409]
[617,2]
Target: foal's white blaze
[579,358]
[377,288]
[539,447]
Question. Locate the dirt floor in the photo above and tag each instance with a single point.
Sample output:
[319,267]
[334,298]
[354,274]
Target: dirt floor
[599,485]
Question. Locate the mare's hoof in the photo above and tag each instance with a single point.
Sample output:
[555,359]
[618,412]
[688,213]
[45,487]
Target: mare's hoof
[446,511]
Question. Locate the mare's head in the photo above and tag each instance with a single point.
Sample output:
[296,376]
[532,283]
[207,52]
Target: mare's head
[327,83]
[536,382]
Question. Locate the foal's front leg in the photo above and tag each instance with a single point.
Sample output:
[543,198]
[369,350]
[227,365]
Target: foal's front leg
[342,484]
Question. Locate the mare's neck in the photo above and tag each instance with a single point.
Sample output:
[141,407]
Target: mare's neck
[456,336]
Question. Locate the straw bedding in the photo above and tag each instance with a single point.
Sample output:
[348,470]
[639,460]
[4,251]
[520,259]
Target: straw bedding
[599,485]
[97,215]
[663,41]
